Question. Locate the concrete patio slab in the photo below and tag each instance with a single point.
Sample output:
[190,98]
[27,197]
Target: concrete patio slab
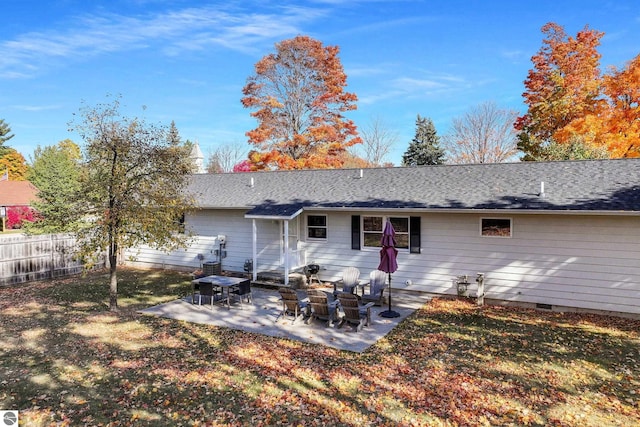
[263,316]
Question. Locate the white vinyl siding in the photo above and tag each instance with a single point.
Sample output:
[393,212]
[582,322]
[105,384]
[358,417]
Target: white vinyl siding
[590,262]
[581,261]
[206,225]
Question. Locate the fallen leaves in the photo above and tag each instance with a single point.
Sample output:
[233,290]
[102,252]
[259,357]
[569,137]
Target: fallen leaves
[450,364]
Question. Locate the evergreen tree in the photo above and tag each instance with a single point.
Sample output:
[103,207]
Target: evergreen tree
[5,135]
[425,148]
[55,171]
[174,134]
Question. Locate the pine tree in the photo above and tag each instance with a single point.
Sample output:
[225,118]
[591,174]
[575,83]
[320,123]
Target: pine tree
[425,148]
[56,171]
[5,135]
[174,134]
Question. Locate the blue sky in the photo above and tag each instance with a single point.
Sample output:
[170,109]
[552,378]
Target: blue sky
[187,61]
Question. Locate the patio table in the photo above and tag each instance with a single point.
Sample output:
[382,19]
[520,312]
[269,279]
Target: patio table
[223,282]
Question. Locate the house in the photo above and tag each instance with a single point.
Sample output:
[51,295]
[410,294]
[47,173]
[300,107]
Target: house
[547,234]
[17,193]
[16,196]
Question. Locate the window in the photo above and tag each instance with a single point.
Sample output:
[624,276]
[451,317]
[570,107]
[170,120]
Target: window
[495,227]
[317,227]
[373,227]
[180,223]
[357,236]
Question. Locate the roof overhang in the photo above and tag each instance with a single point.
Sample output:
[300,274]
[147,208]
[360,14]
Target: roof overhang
[275,211]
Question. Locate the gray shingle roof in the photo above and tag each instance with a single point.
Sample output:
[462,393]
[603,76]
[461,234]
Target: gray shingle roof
[591,185]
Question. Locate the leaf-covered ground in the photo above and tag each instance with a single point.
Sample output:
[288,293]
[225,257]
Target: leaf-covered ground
[66,360]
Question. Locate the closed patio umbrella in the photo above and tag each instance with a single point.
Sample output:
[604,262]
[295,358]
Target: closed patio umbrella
[388,261]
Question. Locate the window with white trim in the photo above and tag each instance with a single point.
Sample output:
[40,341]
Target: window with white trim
[495,227]
[317,227]
[373,227]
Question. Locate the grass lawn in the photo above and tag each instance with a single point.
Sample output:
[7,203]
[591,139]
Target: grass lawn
[66,360]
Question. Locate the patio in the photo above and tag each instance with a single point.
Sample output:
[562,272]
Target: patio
[263,316]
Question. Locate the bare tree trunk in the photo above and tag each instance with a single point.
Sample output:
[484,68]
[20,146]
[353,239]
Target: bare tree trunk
[113,277]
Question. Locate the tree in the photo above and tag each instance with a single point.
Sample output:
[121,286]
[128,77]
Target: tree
[563,85]
[352,161]
[623,90]
[299,98]
[377,141]
[174,135]
[614,126]
[134,187]
[214,165]
[243,166]
[425,148]
[5,135]
[484,135]
[56,172]
[224,158]
[13,163]
[576,149]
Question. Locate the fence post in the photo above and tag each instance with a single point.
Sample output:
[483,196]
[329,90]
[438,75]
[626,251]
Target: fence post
[52,269]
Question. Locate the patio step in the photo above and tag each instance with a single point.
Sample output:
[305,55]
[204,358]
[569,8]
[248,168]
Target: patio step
[276,279]
[269,284]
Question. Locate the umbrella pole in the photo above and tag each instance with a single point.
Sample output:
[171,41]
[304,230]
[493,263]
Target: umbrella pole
[389,312]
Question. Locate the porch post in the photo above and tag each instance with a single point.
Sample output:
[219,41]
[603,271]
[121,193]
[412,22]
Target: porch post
[254,250]
[286,252]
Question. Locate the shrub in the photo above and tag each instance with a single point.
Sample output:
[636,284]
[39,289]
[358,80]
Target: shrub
[17,215]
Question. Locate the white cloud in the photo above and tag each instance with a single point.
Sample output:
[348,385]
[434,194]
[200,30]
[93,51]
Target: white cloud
[36,108]
[411,87]
[169,32]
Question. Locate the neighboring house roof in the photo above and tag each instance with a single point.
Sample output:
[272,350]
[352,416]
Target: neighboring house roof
[582,186]
[17,193]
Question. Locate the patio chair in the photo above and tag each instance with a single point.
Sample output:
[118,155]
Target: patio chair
[321,307]
[208,290]
[195,285]
[349,281]
[377,283]
[243,290]
[292,305]
[355,314]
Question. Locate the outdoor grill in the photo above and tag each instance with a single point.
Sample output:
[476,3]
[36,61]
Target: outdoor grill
[311,271]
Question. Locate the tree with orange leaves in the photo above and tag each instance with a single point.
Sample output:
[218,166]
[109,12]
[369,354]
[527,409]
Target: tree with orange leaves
[614,127]
[299,98]
[622,88]
[564,85]
[14,165]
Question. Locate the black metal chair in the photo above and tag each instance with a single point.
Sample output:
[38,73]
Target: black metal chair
[208,290]
[243,290]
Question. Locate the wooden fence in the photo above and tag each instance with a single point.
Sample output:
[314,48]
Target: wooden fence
[26,258]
